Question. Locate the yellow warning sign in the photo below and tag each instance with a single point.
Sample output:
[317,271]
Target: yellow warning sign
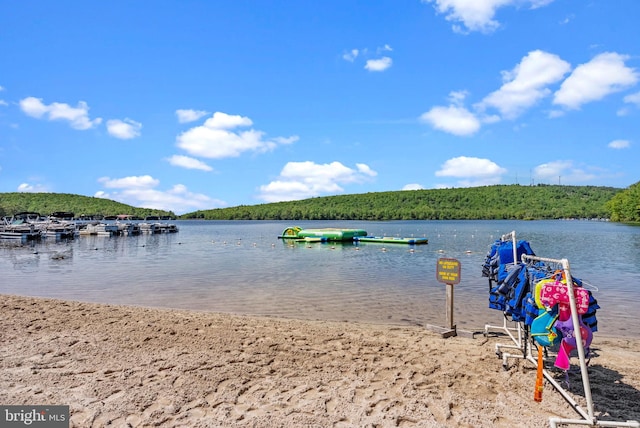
[448,271]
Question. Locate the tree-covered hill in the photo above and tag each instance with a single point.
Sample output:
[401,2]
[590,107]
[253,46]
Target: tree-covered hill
[488,202]
[47,203]
[625,205]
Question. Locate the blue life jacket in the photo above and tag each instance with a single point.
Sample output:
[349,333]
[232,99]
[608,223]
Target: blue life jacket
[589,318]
[491,262]
[505,251]
[511,280]
[501,254]
[508,295]
[531,310]
[519,287]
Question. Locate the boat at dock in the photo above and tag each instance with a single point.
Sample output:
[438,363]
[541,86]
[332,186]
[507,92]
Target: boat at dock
[58,225]
[119,228]
[57,229]
[128,228]
[99,229]
[158,227]
[30,226]
[20,227]
[19,231]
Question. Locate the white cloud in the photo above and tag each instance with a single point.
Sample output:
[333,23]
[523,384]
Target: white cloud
[553,114]
[301,180]
[376,64]
[464,167]
[457,97]
[470,172]
[535,4]
[478,15]
[619,144]
[226,121]
[141,192]
[551,170]
[629,99]
[633,99]
[185,116]
[78,117]
[286,140]
[33,107]
[455,120]
[366,170]
[124,129]
[603,75]
[32,188]
[188,162]
[562,172]
[216,138]
[380,64]
[282,190]
[351,55]
[527,83]
[142,181]
[3,103]
[567,19]
[412,186]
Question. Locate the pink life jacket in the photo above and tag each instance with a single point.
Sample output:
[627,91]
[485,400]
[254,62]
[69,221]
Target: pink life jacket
[558,293]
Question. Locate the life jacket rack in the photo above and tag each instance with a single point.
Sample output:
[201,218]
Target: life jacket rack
[519,334]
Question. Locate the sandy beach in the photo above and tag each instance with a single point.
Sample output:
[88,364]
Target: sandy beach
[136,367]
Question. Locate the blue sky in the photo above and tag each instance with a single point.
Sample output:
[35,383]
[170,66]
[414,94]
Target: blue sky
[187,105]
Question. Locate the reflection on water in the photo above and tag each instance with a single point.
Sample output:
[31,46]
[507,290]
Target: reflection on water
[241,267]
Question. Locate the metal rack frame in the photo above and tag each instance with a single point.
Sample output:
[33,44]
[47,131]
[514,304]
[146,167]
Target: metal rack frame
[588,416]
[521,343]
[518,333]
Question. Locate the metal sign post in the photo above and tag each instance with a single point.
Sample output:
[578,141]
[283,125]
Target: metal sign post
[448,272]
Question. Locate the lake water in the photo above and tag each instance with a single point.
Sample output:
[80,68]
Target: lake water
[241,267]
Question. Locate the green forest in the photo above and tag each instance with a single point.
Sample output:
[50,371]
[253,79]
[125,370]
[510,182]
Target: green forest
[625,205]
[48,203]
[472,203]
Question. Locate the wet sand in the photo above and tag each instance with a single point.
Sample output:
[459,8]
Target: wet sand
[129,366]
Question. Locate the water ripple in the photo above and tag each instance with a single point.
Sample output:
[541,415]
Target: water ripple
[242,267]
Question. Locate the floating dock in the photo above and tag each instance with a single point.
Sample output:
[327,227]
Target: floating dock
[322,235]
[391,240]
[342,235]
